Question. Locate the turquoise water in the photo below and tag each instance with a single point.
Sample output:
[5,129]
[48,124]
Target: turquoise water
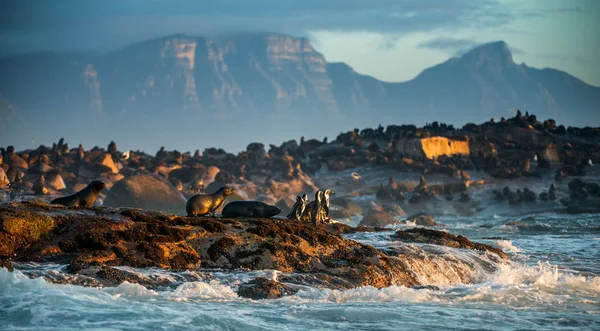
[553,283]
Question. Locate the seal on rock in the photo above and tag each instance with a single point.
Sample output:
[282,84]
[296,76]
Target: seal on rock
[249,209]
[83,198]
[202,204]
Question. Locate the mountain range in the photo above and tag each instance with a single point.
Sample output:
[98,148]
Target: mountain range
[195,92]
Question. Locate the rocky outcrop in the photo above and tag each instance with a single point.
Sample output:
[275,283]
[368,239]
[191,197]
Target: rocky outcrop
[426,236]
[93,240]
[146,192]
[377,219]
[432,147]
[262,288]
[513,148]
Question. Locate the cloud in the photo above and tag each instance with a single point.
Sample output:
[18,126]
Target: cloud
[516,50]
[93,24]
[448,44]
[388,42]
[563,58]
[458,46]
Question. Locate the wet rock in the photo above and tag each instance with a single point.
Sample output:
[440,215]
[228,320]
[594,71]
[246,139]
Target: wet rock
[591,206]
[528,195]
[344,207]
[464,197]
[422,235]
[128,237]
[377,219]
[5,263]
[20,228]
[263,288]
[146,192]
[422,220]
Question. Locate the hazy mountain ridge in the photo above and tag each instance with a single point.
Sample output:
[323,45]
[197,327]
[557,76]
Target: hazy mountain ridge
[263,81]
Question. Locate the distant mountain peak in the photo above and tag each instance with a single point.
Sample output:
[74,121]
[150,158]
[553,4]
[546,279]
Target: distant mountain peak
[496,52]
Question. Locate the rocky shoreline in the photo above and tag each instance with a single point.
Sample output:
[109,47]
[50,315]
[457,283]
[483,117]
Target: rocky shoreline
[93,241]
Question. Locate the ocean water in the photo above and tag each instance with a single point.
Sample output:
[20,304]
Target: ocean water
[552,283]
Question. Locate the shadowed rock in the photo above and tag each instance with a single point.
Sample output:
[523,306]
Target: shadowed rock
[146,192]
[262,288]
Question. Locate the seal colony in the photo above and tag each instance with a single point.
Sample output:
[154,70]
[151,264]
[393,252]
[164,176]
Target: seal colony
[507,150]
[316,211]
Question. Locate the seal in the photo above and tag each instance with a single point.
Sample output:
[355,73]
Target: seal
[249,209]
[202,204]
[40,186]
[298,208]
[83,198]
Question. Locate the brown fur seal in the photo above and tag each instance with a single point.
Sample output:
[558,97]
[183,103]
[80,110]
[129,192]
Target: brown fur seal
[249,209]
[202,204]
[83,198]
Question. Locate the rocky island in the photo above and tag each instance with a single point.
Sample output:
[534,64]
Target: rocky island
[383,177]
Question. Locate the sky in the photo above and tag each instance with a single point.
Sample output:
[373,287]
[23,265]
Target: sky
[392,40]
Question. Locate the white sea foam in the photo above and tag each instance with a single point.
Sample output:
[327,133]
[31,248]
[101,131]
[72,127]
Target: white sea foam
[129,290]
[361,294]
[507,246]
[539,287]
[202,290]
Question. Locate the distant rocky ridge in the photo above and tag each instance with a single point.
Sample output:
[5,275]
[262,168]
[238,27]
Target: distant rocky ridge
[195,87]
[503,150]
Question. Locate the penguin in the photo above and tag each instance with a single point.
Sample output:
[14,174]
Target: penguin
[298,208]
[325,204]
[312,210]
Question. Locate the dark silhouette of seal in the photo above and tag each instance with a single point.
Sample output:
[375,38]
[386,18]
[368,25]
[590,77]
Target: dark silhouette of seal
[249,209]
[298,208]
[83,198]
[202,204]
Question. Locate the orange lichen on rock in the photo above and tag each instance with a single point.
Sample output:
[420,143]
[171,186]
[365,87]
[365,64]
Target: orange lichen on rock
[432,147]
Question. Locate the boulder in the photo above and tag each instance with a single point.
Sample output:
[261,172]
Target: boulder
[187,174]
[55,181]
[422,220]
[3,179]
[104,163]
[146,192]
[426,236]
[263,288]
[347,208]
[377,219]
[17,161]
